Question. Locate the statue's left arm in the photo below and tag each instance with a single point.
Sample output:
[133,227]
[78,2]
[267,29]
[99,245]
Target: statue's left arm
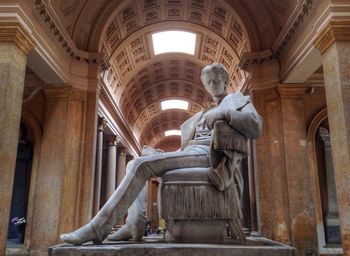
[245,120]
[238,112]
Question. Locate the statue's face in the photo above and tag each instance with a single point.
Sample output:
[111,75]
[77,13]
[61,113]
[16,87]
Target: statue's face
[215,84]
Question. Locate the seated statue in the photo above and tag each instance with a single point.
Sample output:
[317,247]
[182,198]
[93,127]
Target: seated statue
[198,150]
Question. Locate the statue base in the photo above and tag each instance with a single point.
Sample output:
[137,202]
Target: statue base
[157,247]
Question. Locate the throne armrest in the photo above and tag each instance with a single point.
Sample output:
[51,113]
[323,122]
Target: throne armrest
[227,138]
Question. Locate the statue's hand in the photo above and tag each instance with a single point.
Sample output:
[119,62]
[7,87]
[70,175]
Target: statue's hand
[209,119]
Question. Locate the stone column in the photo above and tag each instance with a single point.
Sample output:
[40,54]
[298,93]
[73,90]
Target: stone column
[15,44]
[299,183]
[334,45]
[332,217]
[252,191]
[111,166]
[98,169]
[121,164]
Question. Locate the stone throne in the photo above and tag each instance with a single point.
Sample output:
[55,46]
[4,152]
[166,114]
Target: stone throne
[195,210]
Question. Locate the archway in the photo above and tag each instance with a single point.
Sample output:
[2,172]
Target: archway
[21,185]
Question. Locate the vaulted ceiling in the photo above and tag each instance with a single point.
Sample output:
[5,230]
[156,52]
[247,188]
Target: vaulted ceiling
[139,80]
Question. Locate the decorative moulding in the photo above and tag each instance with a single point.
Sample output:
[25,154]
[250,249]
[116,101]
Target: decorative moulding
[292,25]
[249,58]
[335,30]
[291,91]
[64,39]
[13,31]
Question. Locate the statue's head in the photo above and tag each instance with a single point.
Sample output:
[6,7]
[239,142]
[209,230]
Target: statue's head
[215,79]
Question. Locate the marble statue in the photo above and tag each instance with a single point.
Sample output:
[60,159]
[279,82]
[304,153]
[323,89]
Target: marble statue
[234,109]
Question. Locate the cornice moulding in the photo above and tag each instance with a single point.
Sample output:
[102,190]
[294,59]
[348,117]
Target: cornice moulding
[58,91]
[292,25]
[13,31]
[335,30]
[249,58]
[291,91]
[52,21]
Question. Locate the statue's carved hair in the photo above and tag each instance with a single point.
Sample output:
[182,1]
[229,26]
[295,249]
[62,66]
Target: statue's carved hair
[215,67]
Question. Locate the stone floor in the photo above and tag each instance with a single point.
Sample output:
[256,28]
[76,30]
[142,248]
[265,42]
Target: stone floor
[154,245]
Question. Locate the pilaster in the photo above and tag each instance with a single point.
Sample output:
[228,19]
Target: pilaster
[298,173]
[57,199]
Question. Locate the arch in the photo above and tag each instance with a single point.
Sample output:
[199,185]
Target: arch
[316,194]
[35,128]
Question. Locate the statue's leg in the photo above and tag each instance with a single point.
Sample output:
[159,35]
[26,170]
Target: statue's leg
[135,223]
[138,171]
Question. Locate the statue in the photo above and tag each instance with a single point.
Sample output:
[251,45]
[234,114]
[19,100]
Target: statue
[234,110]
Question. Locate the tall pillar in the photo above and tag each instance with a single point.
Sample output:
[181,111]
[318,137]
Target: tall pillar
[332,215]
[252,191]
[121,164]
[111,166]
[299,183]
[98,169]
[334,45]
[15,44]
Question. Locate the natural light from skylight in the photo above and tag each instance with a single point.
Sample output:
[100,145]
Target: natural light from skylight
[174,104]
[174,41]
[172,132]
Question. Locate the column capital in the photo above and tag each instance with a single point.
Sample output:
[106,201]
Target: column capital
[13,32]
[102,123]
[122,150]
[291,91]
[113,140]
[335,30]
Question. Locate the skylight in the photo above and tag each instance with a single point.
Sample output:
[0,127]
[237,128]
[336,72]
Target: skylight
[172,132]
[177,104]
[174,41]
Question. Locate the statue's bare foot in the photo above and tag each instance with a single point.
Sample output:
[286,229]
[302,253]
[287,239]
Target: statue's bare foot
[126,232]
[82,235]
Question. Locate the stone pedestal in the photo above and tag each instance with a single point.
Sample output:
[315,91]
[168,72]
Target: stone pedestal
[196,231]
[15,44]
[156,247]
